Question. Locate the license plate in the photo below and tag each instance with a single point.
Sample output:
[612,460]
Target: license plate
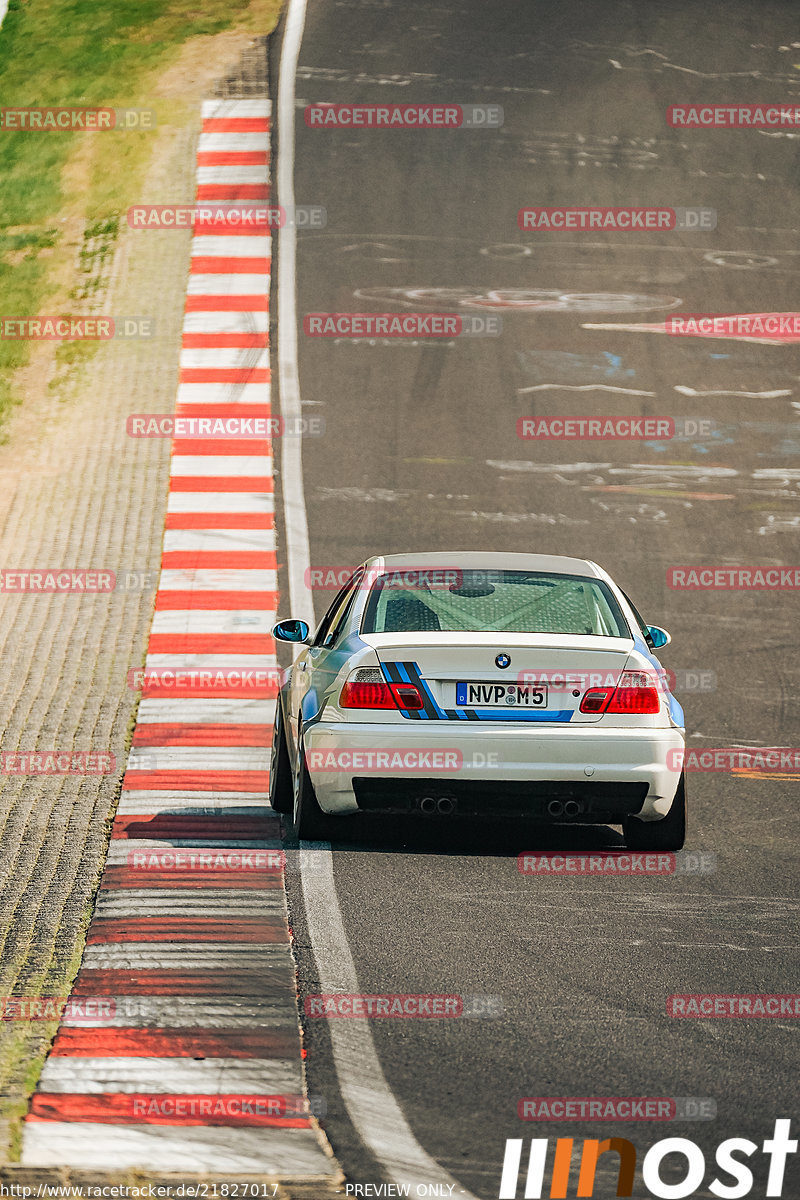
[501,695]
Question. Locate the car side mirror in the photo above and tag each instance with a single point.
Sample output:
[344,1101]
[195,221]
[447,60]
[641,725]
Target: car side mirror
[291,631]
[656,637]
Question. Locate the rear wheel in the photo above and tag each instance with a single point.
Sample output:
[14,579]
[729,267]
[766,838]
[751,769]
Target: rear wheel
[280,769]
[667,834]
[310,822]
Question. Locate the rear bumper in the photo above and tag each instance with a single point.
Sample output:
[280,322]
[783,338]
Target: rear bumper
[505,769]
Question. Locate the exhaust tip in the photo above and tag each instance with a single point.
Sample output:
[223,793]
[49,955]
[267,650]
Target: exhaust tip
[427,804]
[446,806]
[572,808]
[555,808]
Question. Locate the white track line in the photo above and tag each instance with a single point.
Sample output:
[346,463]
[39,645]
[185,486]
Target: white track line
[371,1105]
[294,504]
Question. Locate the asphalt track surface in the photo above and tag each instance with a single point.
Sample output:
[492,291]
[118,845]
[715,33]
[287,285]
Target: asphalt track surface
[421,453]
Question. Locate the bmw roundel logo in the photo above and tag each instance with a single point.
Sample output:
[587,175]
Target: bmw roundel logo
[503,661]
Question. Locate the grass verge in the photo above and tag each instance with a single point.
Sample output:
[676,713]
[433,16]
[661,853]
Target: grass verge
[77,53]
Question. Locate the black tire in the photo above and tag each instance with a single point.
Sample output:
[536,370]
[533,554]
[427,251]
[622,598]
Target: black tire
[310,822]
[281,790]
[667,834]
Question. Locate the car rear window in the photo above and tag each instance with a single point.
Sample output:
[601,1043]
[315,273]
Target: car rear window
[490,601]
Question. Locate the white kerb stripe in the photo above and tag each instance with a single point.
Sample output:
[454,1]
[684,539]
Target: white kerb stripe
[232,540]
[249,902]
[228,284]
[191,758]
[226,465]
[170,1075]
[212,662]
[191,1148]
[231,110]
[224,322]
[218,579]
[231,246]
[259,173]
[221,502]
[236,711]
[145,802]
[232,143]
[224,393]
[203,620]
[189,957]
[224,356]
[216,1012]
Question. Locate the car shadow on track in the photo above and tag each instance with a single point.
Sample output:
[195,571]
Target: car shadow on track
[461,836]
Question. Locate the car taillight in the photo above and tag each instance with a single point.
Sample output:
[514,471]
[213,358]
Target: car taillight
[357,694]
[596,700]
[407,695]
[366,688]
[636,694]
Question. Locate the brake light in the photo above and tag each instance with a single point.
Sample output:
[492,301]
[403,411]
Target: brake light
[366,688]
[636,694]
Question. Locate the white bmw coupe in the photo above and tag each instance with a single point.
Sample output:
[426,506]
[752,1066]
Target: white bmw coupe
[483,685]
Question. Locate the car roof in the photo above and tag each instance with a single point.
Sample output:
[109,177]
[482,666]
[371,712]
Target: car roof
[556,564]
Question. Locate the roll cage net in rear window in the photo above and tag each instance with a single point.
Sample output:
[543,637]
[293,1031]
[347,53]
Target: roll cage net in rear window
[475,601]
